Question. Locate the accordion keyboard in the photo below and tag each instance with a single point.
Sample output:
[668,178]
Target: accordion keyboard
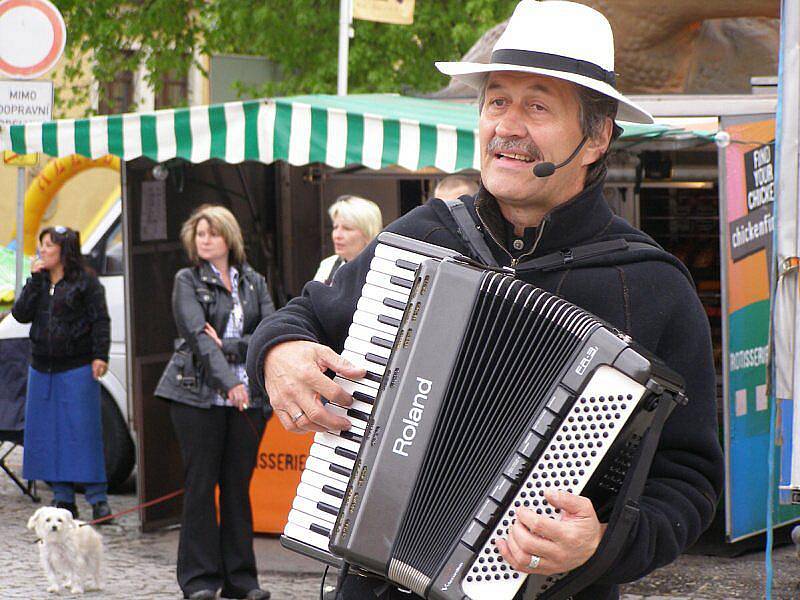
[371,337]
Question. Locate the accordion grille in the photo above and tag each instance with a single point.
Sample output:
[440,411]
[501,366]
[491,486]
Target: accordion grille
[517,342]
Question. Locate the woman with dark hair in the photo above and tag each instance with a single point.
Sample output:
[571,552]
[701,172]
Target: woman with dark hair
[70,339]
[218,416]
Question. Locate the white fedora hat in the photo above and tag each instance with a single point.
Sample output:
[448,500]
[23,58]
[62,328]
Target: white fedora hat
[559,39]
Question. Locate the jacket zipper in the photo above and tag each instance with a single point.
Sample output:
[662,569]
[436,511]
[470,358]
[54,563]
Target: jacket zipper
[51,293]
[514,261]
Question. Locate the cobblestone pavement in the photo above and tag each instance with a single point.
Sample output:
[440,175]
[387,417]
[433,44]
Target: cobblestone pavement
[142,565]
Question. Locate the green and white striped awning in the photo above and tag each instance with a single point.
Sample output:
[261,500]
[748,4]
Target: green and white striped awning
[374,130]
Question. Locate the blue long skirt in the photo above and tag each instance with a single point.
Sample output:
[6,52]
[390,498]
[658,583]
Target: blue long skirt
[63,427]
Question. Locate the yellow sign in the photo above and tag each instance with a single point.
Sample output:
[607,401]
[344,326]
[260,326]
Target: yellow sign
[13,159]
[397,12]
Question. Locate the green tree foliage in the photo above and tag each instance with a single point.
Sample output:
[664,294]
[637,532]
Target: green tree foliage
[301,36]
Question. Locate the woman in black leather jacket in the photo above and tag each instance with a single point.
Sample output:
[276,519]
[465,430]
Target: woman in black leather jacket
[218,417]
[70,339]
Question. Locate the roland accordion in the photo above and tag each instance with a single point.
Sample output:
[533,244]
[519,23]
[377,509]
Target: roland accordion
[481,392]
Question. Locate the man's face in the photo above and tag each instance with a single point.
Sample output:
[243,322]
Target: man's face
[527,119]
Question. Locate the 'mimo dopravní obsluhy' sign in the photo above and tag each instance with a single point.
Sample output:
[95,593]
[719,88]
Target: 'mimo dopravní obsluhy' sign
[25,101]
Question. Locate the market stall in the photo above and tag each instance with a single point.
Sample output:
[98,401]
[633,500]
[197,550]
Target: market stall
[278,164]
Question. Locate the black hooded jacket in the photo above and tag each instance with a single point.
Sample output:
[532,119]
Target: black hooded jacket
[646,293]
[70,323]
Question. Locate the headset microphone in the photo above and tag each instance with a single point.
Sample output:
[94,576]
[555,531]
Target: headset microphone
[546,169]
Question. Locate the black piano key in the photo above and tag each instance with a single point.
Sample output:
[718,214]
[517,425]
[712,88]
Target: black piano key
[376,359]
[399,281]
[381,342]
[349,435]
[363,397]
[357,414]
[340,470]
[349,454]
[406,264]
[331,510]
[373,377]
[320,530]
[392,303]
[388,321]
[332,491]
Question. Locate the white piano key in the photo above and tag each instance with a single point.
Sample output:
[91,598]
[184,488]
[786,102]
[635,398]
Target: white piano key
[364,347]
[394,254]
[333,441]
[301,518]
[309,507]
[310,523]
[323,467]
[384,280]
[377,307]
[305,490]
[382,265]
[356,387]
[372,367]
[357,405]
[358,424]
[329,454]
[320,481]
[299,533]
[361,332]
[370,320]
[380,294]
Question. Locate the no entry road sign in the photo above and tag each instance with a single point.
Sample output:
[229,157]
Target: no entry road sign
[32,38]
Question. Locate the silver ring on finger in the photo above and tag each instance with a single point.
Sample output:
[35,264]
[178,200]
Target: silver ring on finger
[297,417]
[534,562]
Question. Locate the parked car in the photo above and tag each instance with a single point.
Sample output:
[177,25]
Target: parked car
[103,251]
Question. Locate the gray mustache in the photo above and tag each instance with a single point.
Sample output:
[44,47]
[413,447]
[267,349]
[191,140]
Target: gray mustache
[512,145]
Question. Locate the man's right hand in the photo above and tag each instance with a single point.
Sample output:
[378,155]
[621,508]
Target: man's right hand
[294,375]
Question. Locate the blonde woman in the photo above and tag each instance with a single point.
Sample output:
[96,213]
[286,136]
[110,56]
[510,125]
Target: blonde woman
[356,221]
[218,417]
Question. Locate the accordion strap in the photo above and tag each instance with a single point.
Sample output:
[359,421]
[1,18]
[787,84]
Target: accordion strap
[473,239]
[469,233]
[623,517]
[579,254]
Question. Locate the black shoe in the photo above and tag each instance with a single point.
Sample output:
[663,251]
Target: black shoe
[70,506]
[202,595]
[254,594]
[99,510]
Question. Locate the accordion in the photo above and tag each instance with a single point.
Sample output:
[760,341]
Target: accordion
[481,392]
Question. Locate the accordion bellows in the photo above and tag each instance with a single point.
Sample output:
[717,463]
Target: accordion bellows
[493,392]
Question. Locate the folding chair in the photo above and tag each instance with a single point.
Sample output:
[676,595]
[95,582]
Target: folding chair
[9,440]
[13,384]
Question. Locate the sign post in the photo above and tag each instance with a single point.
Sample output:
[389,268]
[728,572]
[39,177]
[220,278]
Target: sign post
[20,255]
[33,37]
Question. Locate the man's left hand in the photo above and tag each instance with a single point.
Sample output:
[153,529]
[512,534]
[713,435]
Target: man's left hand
[561,545]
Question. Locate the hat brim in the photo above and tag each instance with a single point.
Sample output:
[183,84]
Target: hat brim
[474,74]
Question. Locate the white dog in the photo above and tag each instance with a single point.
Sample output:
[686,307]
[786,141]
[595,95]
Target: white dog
[71,553]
